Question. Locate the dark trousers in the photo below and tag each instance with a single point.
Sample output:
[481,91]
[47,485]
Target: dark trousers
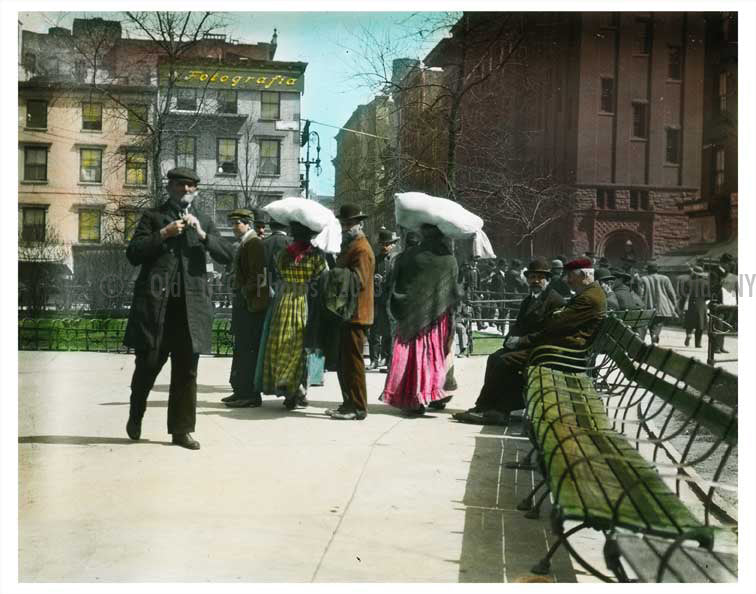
[247,328]
[351,372]
[698,334]
[379,336]
[182,395]
[504,381]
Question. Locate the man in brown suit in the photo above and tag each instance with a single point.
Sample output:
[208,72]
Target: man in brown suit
[250,302]
[572,326]
[356,255]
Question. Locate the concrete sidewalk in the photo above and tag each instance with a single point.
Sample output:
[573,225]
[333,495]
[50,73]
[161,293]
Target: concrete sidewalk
[271,496]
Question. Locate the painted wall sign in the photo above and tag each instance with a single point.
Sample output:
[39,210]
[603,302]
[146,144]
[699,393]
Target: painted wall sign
[227,78]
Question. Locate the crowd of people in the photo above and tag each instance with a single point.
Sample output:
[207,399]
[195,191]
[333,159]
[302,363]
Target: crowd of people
[299,309]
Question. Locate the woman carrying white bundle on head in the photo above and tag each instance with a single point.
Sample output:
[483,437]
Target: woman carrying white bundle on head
[422,301]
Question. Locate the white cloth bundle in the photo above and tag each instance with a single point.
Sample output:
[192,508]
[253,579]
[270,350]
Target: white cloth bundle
[413,209]
[312,215]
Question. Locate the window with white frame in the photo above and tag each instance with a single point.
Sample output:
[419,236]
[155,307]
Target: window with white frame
[91,116]
[271,105]
[136,167]
[226,155]
[32,223]
[186,155]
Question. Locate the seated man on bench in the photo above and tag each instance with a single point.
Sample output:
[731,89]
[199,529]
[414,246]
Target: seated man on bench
[572,326]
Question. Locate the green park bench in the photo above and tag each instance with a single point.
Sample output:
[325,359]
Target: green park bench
[644,463]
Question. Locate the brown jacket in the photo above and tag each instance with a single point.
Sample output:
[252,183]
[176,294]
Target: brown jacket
[358,256]
[575,324]
[252,279]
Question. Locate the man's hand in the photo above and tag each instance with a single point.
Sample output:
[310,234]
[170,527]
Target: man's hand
[512,342]
[172,229]
[193,221]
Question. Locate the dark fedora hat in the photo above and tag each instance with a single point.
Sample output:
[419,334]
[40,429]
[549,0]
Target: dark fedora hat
[348,211]
[539,265]
[386,236]
[183,174]
[652,268]
[261,217]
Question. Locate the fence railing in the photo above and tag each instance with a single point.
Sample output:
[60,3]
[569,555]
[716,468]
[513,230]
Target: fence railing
[102,335]
[723,321]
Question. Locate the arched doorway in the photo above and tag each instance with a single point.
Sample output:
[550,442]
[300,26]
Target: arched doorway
[620,244]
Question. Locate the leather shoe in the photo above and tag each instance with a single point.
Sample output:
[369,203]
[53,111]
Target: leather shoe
[332,411]
[349,415]
[230,398]
[302,402]
[687,341]
[185,440]
[134,428]
[244,403]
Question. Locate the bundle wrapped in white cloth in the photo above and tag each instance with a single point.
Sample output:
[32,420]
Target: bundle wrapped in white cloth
[312,215]
[413,209]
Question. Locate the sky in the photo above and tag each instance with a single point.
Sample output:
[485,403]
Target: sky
[336,46]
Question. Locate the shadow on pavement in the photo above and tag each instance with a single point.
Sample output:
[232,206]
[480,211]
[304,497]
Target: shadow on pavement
[499,543]
[84,440]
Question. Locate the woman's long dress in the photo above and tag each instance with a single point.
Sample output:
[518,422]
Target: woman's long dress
[283,355]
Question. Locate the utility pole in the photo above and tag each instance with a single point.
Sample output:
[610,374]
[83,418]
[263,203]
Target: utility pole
[307,139]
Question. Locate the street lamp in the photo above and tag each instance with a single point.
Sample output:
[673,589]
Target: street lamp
[308,138]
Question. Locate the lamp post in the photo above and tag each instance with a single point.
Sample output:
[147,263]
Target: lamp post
[308,138]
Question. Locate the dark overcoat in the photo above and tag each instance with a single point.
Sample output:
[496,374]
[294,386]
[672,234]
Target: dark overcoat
[533,311]
[160,260]
[695,294]
[626,297]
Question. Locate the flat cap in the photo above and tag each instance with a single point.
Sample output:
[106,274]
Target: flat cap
[183,173]
[579,264]
[603,274]
[241,213]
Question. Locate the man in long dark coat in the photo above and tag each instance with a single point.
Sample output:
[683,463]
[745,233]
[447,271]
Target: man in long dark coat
[572,326]
[379,338]
[273,243]
[251,300]
[171,313]
[693,301]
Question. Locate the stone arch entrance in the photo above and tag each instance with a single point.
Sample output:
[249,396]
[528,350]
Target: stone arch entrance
[618,244]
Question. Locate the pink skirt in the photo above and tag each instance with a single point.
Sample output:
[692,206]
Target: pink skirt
[418,367]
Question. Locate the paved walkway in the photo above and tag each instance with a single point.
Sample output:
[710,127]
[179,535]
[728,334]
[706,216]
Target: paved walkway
[272,496]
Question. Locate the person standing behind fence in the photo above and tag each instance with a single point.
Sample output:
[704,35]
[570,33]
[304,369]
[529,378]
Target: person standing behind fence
[557,281]
[659,294]
[423,300]
[250,302]
[171,313]
[693,301]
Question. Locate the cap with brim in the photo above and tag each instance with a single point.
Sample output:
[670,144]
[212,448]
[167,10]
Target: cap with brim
[261,217]
[603,274]
[348,212]
[183,174]
[698,270]
[241,213]
[557,264]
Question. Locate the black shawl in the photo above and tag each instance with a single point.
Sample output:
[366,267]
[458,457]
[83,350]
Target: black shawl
[425,287]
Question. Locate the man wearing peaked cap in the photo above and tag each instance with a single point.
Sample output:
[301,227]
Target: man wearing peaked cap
[626,297]
[572,326]
[606,279]
[171,314]
[251,298]
[557,282]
